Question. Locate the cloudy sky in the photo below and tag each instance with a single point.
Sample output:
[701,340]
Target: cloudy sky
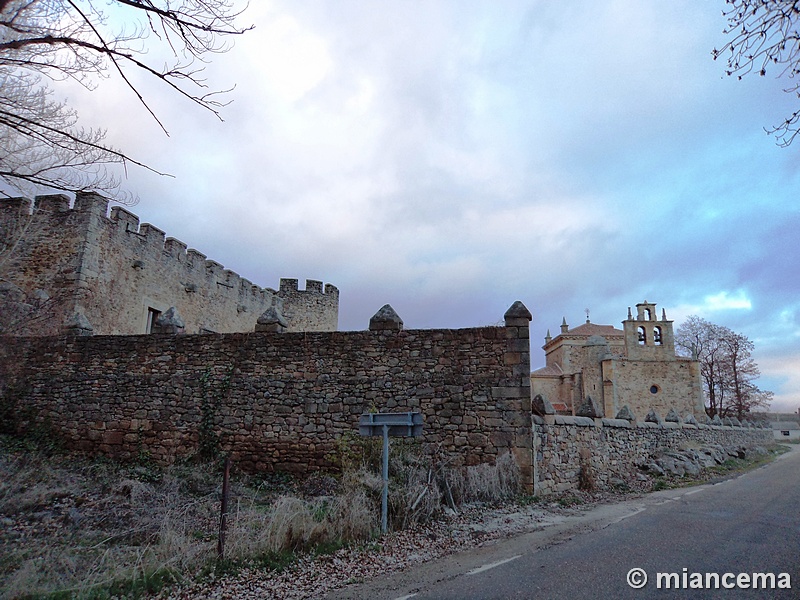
[450,158]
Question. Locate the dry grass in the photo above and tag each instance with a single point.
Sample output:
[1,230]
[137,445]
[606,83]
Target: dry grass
[96,529]
[293,523]
[80,526]
[485,482]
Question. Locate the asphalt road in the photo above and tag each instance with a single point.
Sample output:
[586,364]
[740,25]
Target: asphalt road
[745,525]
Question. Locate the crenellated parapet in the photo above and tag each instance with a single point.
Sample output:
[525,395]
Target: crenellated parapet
[194,269]
[314,309]
[130,272]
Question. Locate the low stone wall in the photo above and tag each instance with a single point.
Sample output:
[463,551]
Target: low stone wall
[615,448]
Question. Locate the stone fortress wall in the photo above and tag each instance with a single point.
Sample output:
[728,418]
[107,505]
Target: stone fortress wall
[283,401]
[283,396]
[120,274]
[312,309]
[278,401]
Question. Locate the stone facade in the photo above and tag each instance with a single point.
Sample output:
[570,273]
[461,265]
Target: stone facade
[278,401]
[635,367]
[119,276]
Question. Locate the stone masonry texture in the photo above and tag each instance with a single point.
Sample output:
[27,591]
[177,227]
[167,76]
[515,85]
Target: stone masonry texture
[614,449]
[276,401]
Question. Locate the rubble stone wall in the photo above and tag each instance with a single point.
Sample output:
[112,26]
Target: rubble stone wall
[276,401]
[615,449]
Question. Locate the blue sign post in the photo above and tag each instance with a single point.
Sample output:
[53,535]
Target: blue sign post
[387,425]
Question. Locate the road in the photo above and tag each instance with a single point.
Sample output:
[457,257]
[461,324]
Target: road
[744,525]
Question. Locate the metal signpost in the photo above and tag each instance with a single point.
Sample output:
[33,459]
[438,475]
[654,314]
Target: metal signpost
[407,424]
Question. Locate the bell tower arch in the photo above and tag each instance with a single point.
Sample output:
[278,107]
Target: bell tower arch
[646,336]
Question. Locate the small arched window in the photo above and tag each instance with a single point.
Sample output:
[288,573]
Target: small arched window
[657,340]
[642,336]
[648,316]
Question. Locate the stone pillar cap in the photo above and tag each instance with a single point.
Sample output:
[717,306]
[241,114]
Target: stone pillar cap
[271,316]
[385,319]
[78,324]
[518,311]
[653,417]
[541,406]
[589,408]
[170,318]
[169,321]
[626,413]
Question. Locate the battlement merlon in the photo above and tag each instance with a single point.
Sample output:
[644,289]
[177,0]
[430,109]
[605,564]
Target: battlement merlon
[125,219]
[153,235]
[91,202]
[85,202]
[174,247]
[313,286]
[16,205]
[52,203]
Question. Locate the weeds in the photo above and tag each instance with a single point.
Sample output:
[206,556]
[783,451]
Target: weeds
[586,481]
[71,527]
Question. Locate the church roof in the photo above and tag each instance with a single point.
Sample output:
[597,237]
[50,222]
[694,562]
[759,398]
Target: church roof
[589,329]
[553,370]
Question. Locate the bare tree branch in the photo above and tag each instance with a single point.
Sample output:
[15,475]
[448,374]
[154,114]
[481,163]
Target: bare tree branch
[41,144]
[764,36]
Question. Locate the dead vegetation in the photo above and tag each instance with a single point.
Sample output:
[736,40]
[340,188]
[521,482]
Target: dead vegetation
[75,527]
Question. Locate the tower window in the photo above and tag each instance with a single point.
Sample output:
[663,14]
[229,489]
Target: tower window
[642,334]
[648,316]
[152,317]
[657,340]
[654,389]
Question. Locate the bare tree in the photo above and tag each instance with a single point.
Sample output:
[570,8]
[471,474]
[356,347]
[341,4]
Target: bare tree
[726,366]
[41,142]
[701,339]
[765,39]
[742,371]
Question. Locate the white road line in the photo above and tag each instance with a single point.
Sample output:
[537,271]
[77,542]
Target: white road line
[491,565]
[700,489]
[628,516]
[406,597]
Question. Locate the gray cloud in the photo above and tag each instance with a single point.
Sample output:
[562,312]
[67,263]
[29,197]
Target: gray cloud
[450,158]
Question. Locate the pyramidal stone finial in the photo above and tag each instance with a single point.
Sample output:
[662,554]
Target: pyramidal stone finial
[271,321]
[626,413]
[78,325]
[653,417]
[169,321]
[386,319]
[541,406]
[517,315]
[589,408]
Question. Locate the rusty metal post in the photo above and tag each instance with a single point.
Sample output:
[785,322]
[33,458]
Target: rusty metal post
[223,517]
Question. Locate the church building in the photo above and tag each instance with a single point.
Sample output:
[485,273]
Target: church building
[635,367]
